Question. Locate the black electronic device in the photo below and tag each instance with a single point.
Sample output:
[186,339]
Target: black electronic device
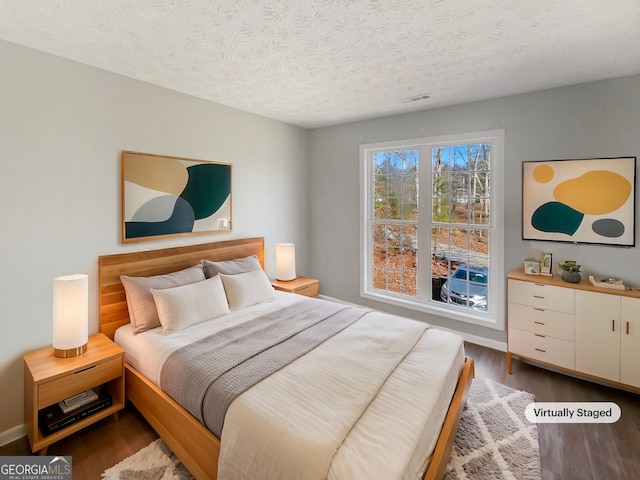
[53,418]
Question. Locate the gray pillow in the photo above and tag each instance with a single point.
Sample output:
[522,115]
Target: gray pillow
[231,267]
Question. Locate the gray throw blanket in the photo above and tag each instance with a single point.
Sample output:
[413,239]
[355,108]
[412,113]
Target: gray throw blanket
[206,376]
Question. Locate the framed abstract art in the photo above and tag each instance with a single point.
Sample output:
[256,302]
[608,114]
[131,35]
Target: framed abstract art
[580,201]
[165,196]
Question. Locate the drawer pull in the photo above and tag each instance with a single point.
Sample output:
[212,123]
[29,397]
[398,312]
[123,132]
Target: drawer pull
[539,323]
[613,325]
[538,296]
[84,370]
[540,350]
[538,309]
[627,328]
[541,336]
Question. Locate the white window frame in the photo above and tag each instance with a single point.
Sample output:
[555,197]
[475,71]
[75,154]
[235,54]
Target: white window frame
[495,315]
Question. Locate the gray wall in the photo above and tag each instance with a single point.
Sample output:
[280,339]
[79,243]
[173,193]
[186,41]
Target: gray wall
[63,126]
[600,119]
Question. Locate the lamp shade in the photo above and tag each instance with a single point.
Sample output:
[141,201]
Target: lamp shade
[285,261]
[70,315]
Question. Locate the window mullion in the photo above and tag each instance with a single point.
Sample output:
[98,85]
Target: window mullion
[425,211]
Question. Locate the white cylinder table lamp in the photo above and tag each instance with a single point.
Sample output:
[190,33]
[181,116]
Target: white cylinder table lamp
[285,261]
[70,315]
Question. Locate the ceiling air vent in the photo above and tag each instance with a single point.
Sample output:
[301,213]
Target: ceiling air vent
[416,98]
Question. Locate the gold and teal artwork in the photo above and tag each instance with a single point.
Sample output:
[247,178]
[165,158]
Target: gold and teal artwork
[172,196]
[580,201]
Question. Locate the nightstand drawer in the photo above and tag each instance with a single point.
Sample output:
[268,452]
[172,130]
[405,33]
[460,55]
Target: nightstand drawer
[539,347]
[308,290]
[68,385]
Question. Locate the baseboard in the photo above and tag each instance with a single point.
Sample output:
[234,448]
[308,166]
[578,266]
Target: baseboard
[475,339]
[12,435]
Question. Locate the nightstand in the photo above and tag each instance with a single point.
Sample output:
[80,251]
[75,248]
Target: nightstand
[49,379]
[309,287]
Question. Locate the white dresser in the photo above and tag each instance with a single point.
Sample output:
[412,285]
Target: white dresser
[576,327]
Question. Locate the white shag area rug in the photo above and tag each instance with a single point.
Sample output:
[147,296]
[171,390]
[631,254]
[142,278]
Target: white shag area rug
[494,441]
[154,462]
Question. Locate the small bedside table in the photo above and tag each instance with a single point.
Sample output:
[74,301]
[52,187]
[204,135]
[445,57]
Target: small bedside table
[49,379]
[309,287]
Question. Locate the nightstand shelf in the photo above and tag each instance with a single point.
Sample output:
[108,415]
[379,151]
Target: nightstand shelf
[309,287]
[49,379]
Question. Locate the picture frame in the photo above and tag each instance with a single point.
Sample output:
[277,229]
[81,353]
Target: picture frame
[166,196]
[531,267]
[590,201]
[546,265]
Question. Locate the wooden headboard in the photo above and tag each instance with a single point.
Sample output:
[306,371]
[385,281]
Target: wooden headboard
[113,311]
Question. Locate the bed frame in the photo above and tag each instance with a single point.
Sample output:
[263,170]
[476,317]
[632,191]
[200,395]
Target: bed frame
[194,444]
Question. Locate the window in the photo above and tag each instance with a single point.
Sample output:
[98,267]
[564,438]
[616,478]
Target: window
[431,230]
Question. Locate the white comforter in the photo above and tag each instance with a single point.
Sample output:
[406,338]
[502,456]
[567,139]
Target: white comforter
[307,422]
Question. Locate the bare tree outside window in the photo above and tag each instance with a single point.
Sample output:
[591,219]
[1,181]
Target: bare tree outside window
[395,207]
[460,221]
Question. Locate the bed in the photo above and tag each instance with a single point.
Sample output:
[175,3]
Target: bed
[198,448]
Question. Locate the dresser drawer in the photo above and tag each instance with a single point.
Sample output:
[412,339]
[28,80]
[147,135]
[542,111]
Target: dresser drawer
[548,297]
[68,385]
[541,321]
[545,349]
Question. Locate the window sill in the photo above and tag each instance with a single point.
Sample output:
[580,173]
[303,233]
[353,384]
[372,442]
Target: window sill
[485,319]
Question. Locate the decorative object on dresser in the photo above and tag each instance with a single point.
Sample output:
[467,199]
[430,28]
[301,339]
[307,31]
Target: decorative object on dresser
[165,196]
[580,201]
[301,285]
[49,379]
[70,315]
[576,327]
[531,267]
[613,283]
[285,262]
[570,271]
[546,266]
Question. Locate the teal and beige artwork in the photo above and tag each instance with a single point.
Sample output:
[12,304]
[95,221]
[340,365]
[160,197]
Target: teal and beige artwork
[582,201]
[168,196]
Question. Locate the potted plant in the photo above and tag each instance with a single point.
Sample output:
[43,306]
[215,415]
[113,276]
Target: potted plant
[570,271]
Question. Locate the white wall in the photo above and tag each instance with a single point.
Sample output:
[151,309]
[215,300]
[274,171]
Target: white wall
[63,126]
[600,119]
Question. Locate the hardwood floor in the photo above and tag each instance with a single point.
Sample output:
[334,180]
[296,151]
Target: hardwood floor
[568,451]
[99,446]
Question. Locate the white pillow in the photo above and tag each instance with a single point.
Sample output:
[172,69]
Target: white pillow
[181,307]
[142,309]
[247,288]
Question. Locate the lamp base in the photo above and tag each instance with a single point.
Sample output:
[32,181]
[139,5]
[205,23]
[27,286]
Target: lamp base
[70,352]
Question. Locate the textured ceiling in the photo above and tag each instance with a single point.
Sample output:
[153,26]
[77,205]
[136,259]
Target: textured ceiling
[322,62]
